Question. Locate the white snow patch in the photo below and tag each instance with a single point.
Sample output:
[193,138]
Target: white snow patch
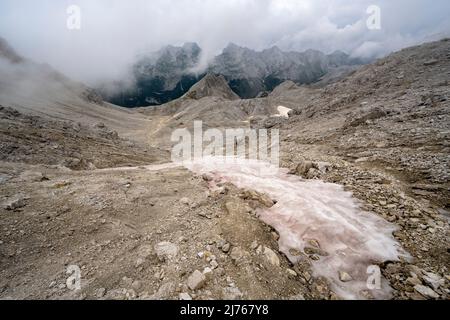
[283,112]
[314,210]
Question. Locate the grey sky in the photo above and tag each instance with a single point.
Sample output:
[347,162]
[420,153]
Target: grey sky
[113,32]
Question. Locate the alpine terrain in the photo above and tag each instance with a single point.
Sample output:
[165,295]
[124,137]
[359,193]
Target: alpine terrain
[358,210]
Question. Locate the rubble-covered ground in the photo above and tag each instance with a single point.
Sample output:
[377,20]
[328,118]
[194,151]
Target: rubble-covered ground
[79,194]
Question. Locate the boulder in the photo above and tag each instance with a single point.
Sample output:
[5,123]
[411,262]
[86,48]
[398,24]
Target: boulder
[15,203]
[426,291]
[196,280]
[271,256]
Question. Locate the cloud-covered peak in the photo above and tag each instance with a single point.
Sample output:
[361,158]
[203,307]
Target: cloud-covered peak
[113,32]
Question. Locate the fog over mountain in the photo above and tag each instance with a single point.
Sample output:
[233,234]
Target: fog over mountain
[114,32]
[167,74]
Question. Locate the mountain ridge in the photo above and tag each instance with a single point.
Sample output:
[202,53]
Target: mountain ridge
[168,73]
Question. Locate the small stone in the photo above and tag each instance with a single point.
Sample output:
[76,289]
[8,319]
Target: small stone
[314,257]
[185,296]
[185,201]
[414,281]
[291,272]
[303,168]
[295,252]
[164,292]
[259,249]
[196,280]
[433,280]
[144,252]
[139,262]
[323,167]
[314,243]
[15,203]
[33,176]
[220,271]
[214,264]
[275,236]
[136,285]
[208,272]
[344,276]
[100,293]
[271,256]
[127,281]
[317,251]
[426,292]
[226,248]
[430,62]
[207,177]
[307,276]
[238,255]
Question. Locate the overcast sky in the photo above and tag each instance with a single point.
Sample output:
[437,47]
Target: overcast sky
[113,32]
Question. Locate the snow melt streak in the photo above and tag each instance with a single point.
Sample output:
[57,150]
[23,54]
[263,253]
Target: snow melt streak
[313,210]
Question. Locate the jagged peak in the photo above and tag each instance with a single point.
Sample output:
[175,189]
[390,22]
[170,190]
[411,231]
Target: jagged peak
[191,46]
[273,49]
[211,85]
[232,47]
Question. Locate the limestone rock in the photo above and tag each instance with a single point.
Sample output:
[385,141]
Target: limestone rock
[196,280]
[426,291]
[271,256]
[344,276]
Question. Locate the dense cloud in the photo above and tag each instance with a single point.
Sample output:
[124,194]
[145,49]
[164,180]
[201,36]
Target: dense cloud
[113,32]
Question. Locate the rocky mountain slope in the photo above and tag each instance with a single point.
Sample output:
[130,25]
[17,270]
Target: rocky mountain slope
[384,132]
[40,90]
[169,73]
[104,196]
[250,72]
[212,101]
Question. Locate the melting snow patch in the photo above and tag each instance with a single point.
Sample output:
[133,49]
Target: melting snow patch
[348,240]
[283,112]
